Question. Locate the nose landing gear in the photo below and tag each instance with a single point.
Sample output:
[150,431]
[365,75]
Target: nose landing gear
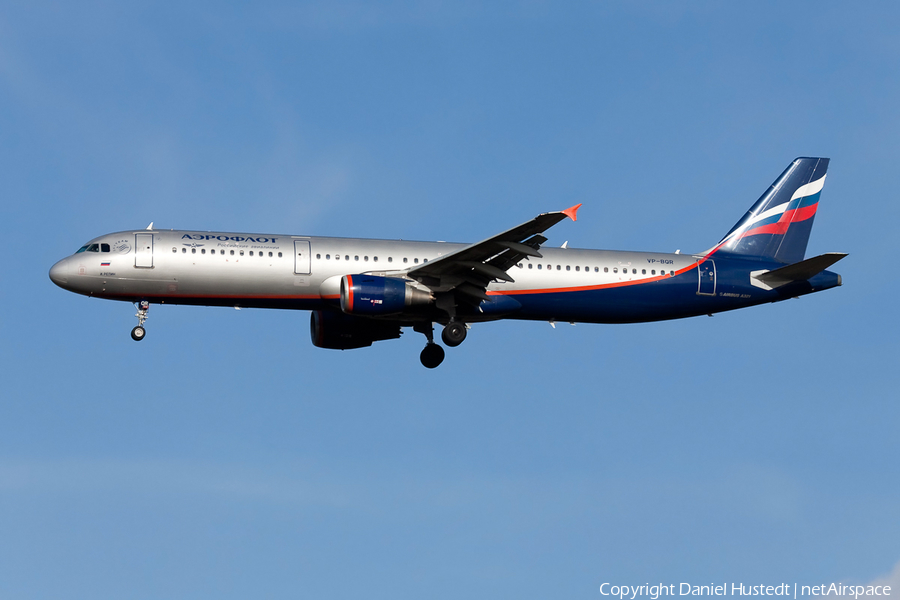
[138,333]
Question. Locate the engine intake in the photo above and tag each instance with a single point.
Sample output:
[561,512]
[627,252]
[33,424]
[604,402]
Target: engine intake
[373,296]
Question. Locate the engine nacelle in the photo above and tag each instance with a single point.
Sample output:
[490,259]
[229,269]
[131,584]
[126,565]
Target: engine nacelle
[375,296]
[337,331]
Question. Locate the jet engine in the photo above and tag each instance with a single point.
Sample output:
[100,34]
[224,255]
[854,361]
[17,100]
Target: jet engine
[337,331]
[371,295]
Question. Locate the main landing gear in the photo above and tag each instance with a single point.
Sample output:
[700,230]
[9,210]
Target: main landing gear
[138,333]
[453,335]
[432,355]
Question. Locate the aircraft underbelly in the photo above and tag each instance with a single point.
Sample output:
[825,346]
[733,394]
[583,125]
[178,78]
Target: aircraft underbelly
[673,298]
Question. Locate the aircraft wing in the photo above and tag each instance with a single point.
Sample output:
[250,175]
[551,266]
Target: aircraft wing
[469,270]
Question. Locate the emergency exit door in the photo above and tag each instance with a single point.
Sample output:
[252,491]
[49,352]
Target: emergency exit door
[301,257]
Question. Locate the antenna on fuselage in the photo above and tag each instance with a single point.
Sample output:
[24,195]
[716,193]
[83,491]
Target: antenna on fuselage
[150,226]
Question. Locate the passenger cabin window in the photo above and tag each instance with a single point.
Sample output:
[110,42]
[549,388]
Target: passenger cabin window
[232,252]
[203,251]
[184,251]
[279,255]
[251,253]
[193,251]
[270,255]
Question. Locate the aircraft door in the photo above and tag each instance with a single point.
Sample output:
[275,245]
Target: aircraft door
[707,273]
[143,250]
[301,257]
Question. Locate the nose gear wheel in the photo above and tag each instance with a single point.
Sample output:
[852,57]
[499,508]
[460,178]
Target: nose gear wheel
[138,333]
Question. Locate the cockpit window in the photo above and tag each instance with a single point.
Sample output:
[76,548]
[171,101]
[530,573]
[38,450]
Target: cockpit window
[82,249]
[104,247]
[93,248]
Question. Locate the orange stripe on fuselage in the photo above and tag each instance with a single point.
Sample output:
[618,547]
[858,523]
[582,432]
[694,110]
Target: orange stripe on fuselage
[586,288]
[221,296]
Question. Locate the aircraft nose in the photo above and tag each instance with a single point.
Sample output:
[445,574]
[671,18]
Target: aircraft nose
[59,273]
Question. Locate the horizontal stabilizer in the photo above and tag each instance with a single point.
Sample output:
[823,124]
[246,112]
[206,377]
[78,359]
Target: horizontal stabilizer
[801,271]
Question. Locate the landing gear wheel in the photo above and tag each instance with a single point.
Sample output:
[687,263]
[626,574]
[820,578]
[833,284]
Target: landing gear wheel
[138,333]
[432,356]
[454,333]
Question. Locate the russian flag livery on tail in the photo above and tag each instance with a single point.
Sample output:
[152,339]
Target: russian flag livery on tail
[361,291]
[779,224]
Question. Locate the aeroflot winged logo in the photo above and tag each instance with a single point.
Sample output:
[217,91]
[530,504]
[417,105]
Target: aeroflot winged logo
[227,238]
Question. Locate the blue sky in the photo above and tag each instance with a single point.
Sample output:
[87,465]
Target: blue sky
[225,456]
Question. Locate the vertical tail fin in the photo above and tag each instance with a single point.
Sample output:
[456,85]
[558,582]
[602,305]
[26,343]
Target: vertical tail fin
[779,224]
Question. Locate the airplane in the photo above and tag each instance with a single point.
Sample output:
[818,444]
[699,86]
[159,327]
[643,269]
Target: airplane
[361,291]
